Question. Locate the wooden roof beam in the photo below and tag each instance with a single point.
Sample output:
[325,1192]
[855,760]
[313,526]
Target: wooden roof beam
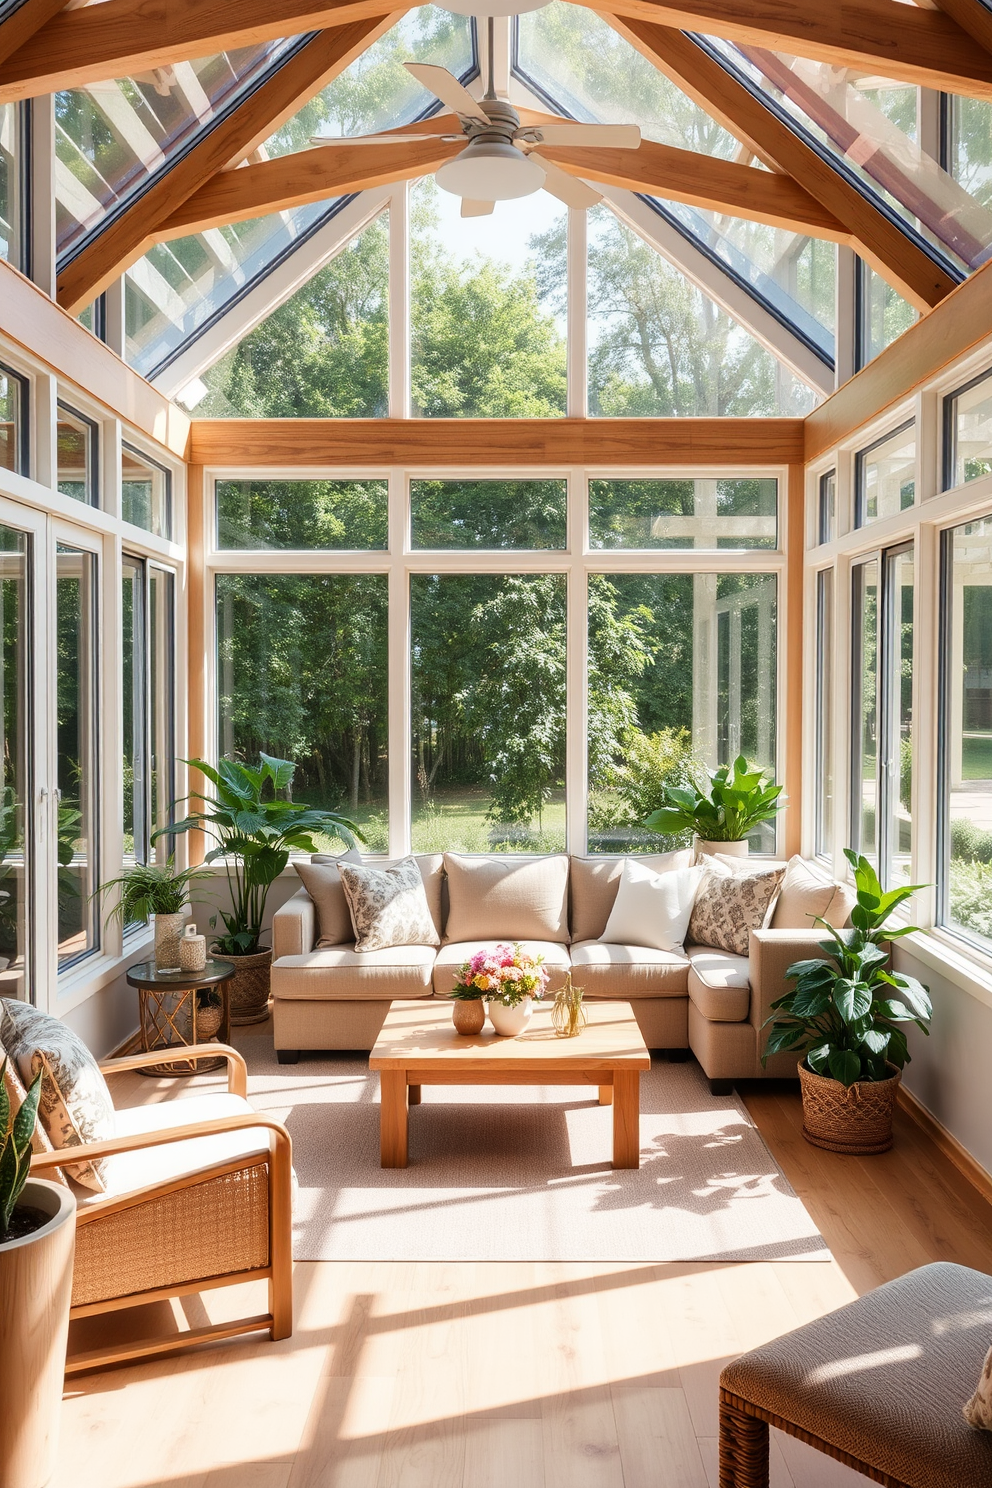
[125,238]
[878,239]
[973,17]
[25,21]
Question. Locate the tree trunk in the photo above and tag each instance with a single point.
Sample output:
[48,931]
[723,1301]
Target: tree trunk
[356,763]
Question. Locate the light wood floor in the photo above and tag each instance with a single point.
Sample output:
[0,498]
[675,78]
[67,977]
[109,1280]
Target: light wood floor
[514,1375]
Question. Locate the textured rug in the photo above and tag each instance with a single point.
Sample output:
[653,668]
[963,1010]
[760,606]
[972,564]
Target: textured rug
[523,1173]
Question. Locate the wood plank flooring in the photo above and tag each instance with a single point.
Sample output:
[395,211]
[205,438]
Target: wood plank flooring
[514,1375]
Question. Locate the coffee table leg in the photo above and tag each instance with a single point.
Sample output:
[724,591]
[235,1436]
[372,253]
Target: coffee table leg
[413,1095]
[393,1118]
[606,1095]
[626,1119]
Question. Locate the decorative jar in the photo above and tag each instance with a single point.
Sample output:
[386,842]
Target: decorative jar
[192,949]
[168,932]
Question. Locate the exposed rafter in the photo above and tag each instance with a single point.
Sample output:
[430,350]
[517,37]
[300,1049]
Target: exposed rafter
[878,239]
[126,237]
[28,18]
[972,16]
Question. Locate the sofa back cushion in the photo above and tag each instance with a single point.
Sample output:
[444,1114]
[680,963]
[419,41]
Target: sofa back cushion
[507,898]
[322,882]
[652,909]
[593,885]
[728,906]
[806,895]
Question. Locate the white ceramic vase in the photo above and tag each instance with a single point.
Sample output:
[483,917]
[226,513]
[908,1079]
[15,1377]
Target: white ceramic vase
[706,849]
[509,1021]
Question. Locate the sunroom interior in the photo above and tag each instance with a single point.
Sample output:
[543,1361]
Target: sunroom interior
[495,517]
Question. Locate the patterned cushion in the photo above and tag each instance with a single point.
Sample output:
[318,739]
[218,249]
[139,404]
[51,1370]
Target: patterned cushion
[729,906]
[75,1103]
[978,1411]
[14,1086]
[322,882]
[388,906]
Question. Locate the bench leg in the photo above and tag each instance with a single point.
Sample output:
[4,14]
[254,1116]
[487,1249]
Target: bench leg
[743,1449]
[606,1095]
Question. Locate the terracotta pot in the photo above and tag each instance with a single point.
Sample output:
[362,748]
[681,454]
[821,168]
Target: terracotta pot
[848,1118]
[509,1021]
[35,1293]
[468,1016]
[705,849]
[249,986]
[168,932]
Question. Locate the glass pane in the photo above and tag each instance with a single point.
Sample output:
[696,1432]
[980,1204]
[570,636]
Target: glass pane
[301,674]
[321,354]
[681,675]
[488,514]
[864,763]
[824,785]
[77,445]
[897,828]
[969,431]
[133,695]
[483,344]
[658,346]
[886,476]
[161,761]
[13,396]
[827,514]
[966,728]
[271,514]
[146,493]
[968,142]
[714,514]
[488,712]
[11,192]
[14,838]
[883,314]
[76,696]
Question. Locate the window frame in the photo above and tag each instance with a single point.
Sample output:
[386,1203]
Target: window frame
[860,458]
[92,436]
[949,439]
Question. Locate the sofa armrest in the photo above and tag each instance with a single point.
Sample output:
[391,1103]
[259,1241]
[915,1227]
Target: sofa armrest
[294,927]
[772,952]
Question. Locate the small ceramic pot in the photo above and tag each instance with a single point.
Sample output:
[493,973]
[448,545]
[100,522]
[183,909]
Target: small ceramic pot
[469,1017]
[509,1021]
[168,933]
[192,949]
[706,849]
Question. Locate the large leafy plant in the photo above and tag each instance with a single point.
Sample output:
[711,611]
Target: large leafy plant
[737,800]
[16,1131]
[842,1013]
[255,828]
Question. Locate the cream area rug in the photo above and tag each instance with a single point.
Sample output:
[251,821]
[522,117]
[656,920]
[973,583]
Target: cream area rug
[521,1173]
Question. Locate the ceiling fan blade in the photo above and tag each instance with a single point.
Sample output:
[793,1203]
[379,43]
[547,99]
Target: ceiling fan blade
[609,136]
[379,139]
[444,85]
[568,189]
[476,208]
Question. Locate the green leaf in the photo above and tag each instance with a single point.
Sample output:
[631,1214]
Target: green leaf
[914,993]
[818,1058]
[851,999]
[22,1127]
[809,1003]
[845,1066]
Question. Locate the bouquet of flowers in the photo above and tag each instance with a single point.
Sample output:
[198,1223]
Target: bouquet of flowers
[506,974]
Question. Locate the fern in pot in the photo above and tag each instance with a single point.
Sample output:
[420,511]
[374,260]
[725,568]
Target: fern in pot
[160,891]
[736,801]
[844,1016]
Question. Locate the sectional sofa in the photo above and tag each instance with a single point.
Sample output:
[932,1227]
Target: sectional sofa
[328,996]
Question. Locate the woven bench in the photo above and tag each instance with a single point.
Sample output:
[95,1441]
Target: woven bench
[878,1385]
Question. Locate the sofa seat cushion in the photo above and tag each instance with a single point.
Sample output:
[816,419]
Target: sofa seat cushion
[719,984]
[342,974]
[626,972]
[131,1172]
[452,956]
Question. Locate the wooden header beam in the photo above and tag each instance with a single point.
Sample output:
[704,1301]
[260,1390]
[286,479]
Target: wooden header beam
[436,442]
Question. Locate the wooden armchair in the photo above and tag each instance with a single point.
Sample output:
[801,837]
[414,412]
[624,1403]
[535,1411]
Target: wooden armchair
[200,1196]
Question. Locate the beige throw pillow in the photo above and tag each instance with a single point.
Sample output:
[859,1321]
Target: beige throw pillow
[729,906]
[507,898]
[978,1411]
[805,897]
[322,882]
[388,906]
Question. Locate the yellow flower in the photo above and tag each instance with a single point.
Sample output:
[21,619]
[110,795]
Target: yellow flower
[483,982]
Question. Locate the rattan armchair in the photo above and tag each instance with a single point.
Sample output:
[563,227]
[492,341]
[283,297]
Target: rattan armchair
[214,1212]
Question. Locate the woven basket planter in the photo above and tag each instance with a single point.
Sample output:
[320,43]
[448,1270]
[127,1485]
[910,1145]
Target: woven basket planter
[848,1118]
[249,986]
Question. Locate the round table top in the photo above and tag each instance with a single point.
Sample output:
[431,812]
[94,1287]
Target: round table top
[146,974]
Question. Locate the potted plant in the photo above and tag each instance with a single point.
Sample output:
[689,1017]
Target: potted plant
[737,800]
[158,890]
[510,979]
[842,1016]
[255,827]
[37,1240]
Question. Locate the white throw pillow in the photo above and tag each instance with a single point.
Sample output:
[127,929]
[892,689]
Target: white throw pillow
[652,909]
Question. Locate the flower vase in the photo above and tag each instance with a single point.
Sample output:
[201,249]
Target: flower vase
[510,1021]
[468,1015]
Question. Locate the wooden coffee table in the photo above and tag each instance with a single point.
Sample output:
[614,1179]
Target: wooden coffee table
[419,1046]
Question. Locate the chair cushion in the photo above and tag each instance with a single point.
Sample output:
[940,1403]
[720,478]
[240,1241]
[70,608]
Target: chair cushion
[805,895]
[388,906]
[593,885]
[719,984]
[454,954]
[130,1172]
[342,974]
[75,1101]
[652,909]
[627,972]
[507,898]
[322,882]
[884,1379]
[729,906]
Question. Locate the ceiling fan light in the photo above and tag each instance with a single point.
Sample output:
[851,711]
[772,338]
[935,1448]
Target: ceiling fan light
[490,170]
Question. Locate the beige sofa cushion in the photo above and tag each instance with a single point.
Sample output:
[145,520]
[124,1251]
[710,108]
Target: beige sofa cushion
[507,898]
[342,974]
[719,984]
[839,911]
[805,895]
[593,885]
[322,882]
[452,955]
[628,972]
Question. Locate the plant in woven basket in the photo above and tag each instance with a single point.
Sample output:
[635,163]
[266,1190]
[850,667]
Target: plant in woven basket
[16,1131]
[736,801]
[842,1014]
[255,827]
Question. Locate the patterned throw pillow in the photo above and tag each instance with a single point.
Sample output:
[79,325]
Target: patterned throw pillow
[75,1103]
[388,906]
[729,906]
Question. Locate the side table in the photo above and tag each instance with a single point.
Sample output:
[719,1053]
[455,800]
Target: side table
[171,1015]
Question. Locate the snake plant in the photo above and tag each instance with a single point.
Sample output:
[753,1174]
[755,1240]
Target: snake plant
[16,1131]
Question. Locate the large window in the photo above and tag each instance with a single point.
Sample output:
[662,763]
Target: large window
[279,514]
[13,178]
[826,508]
[823,833]
[885,476]
[13,421]
[15,840]
[78,450]
[148,611]
[488,514]
[76,699]
[146,492]
[713,514]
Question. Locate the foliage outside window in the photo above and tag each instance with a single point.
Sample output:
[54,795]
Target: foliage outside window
[78,445]
[146,492]
[273,515]
[885,476]
[968,432]
[882,315]
[12,193]
[76,743]
[15,843]
[493,514]
[708,514]
[826,516]
[148,684]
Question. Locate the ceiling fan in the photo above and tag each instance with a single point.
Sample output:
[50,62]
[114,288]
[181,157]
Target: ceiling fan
[501,160]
